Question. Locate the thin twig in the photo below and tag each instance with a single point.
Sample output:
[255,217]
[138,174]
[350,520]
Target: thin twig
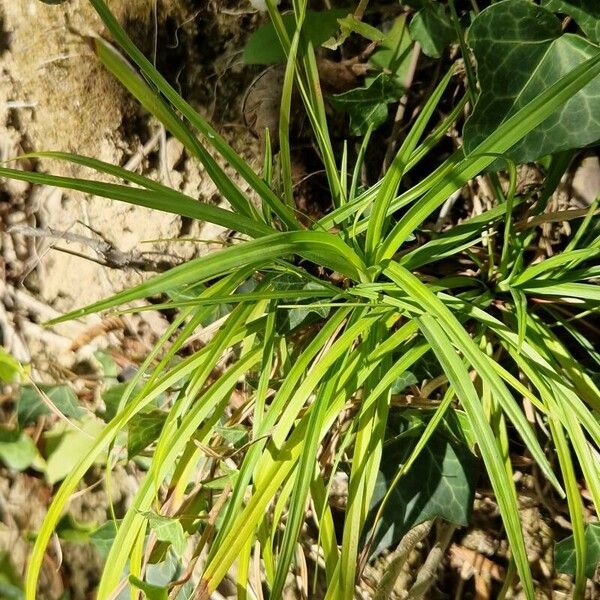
[398,119]
[427,573]
[109,256]
[398,558]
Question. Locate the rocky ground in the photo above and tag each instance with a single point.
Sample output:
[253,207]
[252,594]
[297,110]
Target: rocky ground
[57,248]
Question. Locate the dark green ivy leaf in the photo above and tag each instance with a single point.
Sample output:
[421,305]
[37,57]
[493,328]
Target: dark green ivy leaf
[564,552]
[441,483]
[144,429]
[586,14]
[263,47]
[367,106]
[535,54]
[31,406]
[433,29]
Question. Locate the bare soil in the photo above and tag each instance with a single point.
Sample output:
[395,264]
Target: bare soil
[54,95]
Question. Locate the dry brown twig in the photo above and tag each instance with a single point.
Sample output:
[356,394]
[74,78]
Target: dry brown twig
[399,557]
[109,256]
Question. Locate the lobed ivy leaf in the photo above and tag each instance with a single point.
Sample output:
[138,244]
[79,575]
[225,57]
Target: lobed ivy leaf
[564,552]
[102,538]
[521,51]
[167,530]
[31,406]
[367,106]
[289,319]
[432,28]
[394,53]
[232,435]
[586,13]
[144,429]
[152,592]
[263,46]
[17,450]
[441,483]
[164,572]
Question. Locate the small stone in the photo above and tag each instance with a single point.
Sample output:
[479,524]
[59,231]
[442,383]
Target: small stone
[261,5]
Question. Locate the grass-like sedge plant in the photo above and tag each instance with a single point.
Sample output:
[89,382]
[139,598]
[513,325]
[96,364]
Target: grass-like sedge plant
[493,349]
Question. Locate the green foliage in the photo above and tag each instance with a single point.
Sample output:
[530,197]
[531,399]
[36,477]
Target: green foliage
[32,404]
[585,12]
[112,399]
[144,430]
[167,530]
[10,369]
[565,554]
[351,24]
[368,106]
[17,450]
[103,537]
[65,446]
[440,483]
[322,325]
[432,28]
[393,55]
[264,47]
[68,528]
[535,54]
[11,586]
[151,592]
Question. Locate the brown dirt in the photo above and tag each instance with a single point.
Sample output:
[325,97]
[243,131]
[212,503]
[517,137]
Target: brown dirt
[55,96]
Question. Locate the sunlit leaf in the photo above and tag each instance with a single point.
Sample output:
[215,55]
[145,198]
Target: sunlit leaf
[535,54]
[17,449]
[144,430]
[65,446]
[152,592]
[10,369]
[167,530]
